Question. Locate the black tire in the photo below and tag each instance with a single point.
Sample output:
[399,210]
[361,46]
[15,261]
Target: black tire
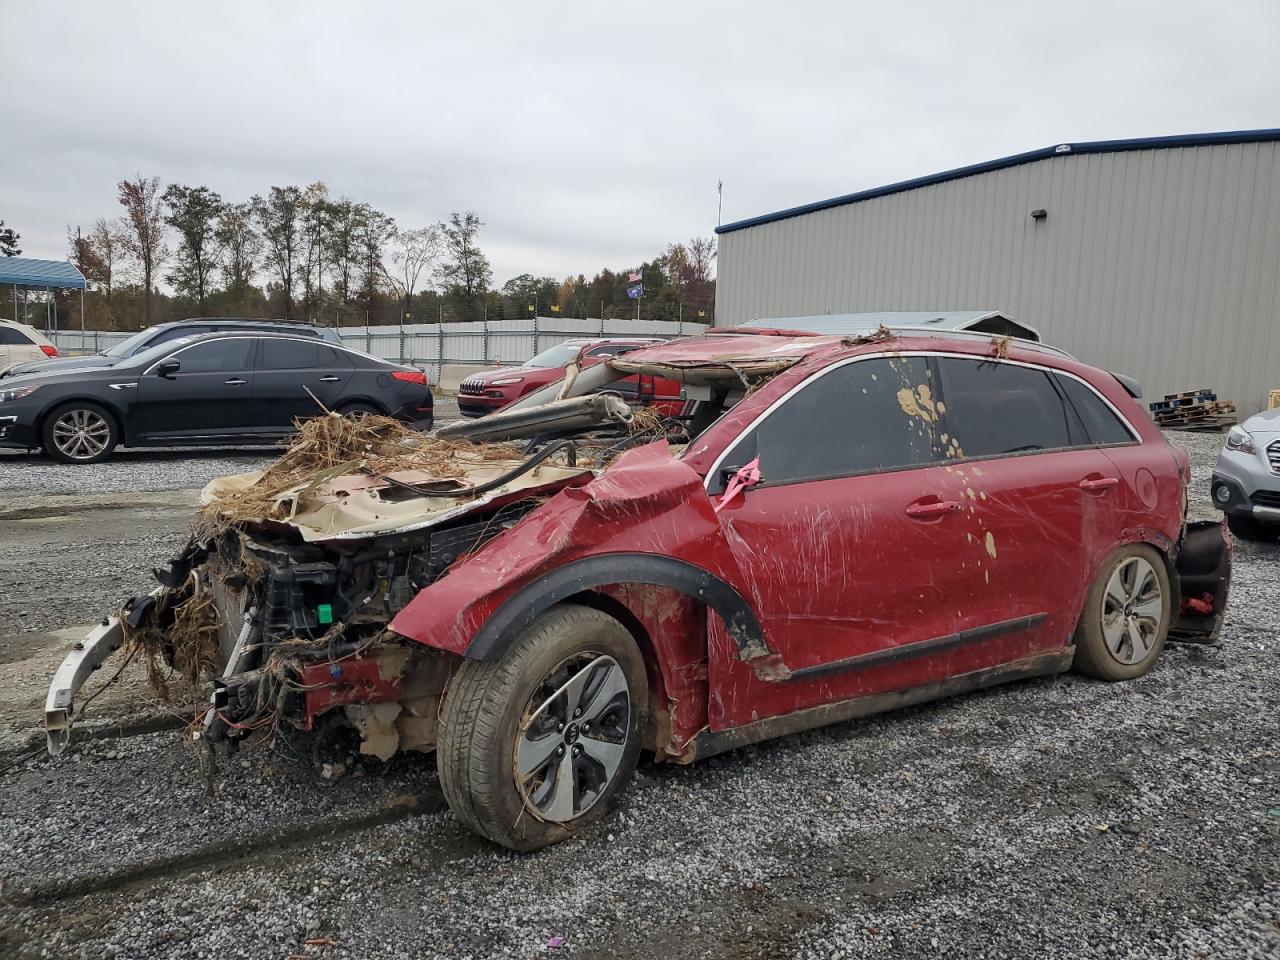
[359,410]
[1250,528]
[79,432]
[487,704]
[1095,656]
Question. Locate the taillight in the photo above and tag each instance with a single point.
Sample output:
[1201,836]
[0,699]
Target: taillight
[49,349]
[410,376]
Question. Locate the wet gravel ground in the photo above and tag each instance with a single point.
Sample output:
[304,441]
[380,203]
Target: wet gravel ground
[1053,818]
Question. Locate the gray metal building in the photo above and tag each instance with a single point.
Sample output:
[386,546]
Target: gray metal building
[1157,257]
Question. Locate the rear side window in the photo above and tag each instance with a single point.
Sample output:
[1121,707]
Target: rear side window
[295,355]
[13,337]
[1102,425]
[998,408]
[864,417]
[216,356]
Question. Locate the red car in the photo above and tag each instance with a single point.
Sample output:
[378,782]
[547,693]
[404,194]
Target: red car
[851,525]
[491,390]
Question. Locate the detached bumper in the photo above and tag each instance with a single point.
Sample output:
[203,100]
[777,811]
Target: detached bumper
[1204,580]
[90,654]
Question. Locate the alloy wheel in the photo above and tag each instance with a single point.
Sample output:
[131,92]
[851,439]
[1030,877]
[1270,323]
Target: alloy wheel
[1132,608]
[81,434]
[572,737]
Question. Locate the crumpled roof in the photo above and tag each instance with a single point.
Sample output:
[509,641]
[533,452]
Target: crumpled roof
[717,358]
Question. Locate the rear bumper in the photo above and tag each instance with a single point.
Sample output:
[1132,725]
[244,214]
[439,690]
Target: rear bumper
[1204,580]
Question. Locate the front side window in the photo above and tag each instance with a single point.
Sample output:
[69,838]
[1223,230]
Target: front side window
[174,333]
[864,417]
[217,356]
[1000,408]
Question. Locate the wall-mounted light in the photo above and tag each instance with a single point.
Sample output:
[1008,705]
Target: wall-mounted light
[1039,214]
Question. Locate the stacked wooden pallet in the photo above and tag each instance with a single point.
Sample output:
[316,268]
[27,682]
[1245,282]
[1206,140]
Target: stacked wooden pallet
[1194,410]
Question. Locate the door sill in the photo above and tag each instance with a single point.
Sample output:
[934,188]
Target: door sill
[710,742]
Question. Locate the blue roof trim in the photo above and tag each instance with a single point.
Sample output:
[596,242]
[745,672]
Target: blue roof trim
[52,274]
[1058,150]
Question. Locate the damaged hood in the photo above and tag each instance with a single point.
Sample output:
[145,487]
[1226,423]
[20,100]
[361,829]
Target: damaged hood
[352,505]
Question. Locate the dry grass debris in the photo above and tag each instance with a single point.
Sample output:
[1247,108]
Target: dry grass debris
[331,446]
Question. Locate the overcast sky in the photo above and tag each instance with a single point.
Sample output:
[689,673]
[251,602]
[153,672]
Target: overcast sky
[591,134]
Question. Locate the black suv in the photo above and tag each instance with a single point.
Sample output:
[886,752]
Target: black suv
[164,332]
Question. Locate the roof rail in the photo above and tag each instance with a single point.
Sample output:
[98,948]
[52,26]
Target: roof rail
[933,333]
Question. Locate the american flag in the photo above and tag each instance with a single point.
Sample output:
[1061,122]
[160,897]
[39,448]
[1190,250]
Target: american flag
[634,276]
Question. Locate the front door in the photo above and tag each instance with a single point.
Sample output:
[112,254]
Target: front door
[209,396]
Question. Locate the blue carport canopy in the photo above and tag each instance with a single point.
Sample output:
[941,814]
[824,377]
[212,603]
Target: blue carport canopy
[42,275]
[46,274]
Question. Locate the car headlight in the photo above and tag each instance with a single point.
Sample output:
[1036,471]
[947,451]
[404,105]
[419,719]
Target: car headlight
[17,393]
[1241,440]
[505,381]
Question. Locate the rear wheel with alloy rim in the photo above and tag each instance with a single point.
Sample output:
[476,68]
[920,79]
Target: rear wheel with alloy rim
[1126,615]
[536,745]
[80,433]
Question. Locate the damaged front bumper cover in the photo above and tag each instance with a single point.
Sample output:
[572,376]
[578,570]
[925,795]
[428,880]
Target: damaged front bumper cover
[89,654]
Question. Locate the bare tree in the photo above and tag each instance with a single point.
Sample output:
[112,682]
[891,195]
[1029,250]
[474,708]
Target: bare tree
[317,214]
[279,217]
[143,230]
[240,244]
[107,246]
[465,271]
[412,252]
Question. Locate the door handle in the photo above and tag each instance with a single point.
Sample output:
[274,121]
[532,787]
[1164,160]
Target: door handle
[1098,484]
[932,509]
[330,379]
[236,382]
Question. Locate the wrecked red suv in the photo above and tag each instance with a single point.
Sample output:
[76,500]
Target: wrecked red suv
[833,528]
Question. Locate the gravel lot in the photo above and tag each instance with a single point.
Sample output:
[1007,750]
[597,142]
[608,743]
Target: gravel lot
[1052,818]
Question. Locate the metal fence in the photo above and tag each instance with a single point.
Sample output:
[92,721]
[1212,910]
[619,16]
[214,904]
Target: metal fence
[431,345]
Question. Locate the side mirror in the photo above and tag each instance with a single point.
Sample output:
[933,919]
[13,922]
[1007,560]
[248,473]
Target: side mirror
[169,368]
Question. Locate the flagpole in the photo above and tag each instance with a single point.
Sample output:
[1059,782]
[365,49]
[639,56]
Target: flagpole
[720,200]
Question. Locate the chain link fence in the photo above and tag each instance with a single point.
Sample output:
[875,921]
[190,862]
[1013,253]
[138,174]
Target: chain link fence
[431,345]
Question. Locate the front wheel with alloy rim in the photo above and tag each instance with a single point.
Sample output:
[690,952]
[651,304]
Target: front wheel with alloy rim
[80,433]
[537,744]
[1126,615]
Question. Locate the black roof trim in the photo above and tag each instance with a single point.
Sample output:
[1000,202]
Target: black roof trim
[1059,150]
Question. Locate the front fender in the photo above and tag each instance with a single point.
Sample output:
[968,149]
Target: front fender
[646,519]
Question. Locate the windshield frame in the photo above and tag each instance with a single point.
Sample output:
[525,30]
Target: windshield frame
[539,360]
[126,348]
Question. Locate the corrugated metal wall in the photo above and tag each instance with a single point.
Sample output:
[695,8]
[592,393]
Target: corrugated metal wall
[1163,264]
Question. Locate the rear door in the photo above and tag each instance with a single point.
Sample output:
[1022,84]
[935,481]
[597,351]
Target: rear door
[1034,491]
[209,397]
[296,379]
[864,560]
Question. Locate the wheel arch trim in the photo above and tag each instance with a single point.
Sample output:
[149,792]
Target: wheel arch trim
[588,573]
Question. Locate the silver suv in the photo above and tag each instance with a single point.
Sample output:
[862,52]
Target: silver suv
[1246,478]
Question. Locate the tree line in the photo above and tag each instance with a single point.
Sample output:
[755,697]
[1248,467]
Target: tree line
[302,253]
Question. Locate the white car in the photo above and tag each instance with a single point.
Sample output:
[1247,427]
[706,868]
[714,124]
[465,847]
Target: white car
[20,343]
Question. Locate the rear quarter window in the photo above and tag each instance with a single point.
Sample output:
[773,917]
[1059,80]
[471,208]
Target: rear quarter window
[1102,425]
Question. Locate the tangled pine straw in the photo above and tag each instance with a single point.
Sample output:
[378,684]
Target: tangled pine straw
[331,446]
[190,644]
